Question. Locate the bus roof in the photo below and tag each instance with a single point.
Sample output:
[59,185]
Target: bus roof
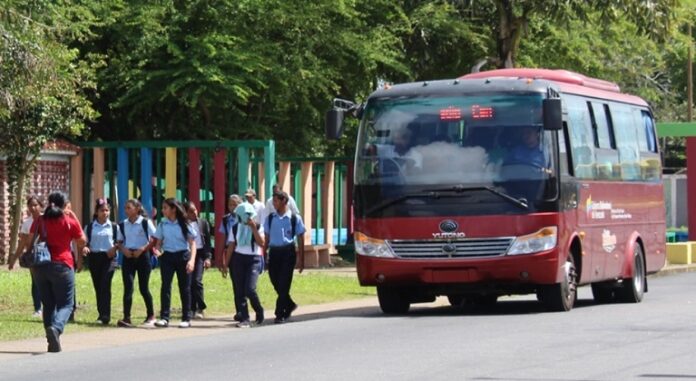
[567,81]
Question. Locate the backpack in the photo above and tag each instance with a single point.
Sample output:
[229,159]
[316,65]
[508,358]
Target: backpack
[114,232]
[293,223]
[225,220]
[122,225]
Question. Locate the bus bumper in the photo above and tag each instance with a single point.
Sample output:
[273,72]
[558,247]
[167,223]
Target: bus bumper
[530,269]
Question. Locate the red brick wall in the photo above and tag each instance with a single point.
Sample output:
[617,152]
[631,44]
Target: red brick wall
[51,175]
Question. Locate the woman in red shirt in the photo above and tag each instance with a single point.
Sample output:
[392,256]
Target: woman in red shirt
[56,280]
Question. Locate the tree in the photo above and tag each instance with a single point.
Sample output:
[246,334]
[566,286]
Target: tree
[509,19]
[41,96]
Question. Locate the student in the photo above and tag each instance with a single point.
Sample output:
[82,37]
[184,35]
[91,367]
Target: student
[176,238]
[246,242]
[136,233]
[35,207]
[282,227]
[56,280]
[250,197]
[269,209]
[101,250]
[204,256]
[226,226]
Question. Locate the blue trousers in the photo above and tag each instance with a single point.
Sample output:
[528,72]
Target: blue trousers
[56,283]
[245,271]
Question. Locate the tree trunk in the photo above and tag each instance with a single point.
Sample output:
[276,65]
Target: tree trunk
[510,28]
[17,205]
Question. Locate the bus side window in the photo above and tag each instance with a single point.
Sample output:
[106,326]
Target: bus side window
[563,159]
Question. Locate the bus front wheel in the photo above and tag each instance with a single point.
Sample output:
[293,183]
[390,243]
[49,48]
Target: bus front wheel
[633,288]
[561,296]
[392,301]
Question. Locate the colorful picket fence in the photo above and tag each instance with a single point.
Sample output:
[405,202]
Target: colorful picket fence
[206,173]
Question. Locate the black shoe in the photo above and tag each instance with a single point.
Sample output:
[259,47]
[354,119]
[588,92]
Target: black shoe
[237,317]
[290,311]
[259,318]
[279,320]
[53,338]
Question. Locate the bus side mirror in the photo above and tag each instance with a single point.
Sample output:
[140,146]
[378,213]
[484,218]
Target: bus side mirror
[553,114]
[334,123]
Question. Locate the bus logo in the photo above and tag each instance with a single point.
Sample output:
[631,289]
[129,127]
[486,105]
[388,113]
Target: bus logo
[448,226]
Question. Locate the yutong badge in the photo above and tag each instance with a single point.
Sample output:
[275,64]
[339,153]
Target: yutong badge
[448,230]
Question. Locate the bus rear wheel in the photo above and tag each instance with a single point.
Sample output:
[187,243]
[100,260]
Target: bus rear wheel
[561,296]
[633,288]
[392,300]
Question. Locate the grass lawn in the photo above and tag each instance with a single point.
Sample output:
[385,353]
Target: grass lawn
[16,306]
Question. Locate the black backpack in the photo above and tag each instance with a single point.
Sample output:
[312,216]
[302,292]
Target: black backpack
[122,225]
[113,231]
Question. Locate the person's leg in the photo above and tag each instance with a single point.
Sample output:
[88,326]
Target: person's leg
[35,295]
[197,297]
[184,281]
[167,270]
[95,271]
[253,277]
[287,266]
[235,285]
[128,274]
[240,269]
[106,287]
[144,267]
[40,276]
[274,267]
[63,282]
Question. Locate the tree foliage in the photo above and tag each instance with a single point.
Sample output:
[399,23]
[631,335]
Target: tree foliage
[42,86]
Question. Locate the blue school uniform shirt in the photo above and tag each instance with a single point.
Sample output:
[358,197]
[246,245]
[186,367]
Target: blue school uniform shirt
[135,237]
[169,232]
[280,233]
[102,236]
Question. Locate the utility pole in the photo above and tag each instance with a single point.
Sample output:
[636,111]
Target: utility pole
[690,144]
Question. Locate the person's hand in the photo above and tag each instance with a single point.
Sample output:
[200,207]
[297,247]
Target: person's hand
[223,270]
[111,252]
[86,250]
[127,253]
[156,252]
[137,253]
[206,264]
[251,223]
[10,266]
[189,266]
[78,267]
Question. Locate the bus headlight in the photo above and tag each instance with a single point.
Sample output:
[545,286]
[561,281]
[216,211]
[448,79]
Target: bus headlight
[542,240]
[372,247]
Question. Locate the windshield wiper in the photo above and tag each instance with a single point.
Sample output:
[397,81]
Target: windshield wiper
[522,203]
[395,200]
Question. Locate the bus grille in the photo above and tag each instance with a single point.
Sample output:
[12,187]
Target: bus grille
[462,248]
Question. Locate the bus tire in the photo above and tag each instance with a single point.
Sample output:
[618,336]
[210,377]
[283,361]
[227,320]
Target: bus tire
[561,296]
[392,300]
[633,288]
[485,300]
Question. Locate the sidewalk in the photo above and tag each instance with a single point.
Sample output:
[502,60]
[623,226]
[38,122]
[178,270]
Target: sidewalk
[113,336]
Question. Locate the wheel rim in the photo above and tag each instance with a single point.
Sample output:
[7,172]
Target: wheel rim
[570,282]
[638,274]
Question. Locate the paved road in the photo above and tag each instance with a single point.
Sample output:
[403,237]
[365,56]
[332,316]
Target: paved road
[515,340]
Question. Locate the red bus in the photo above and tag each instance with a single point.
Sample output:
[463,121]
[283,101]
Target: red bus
[512,181]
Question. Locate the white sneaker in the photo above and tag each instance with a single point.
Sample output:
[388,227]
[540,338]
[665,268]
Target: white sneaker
[161,323]
[185,324]
[149,323]
[198,315]
[37,314]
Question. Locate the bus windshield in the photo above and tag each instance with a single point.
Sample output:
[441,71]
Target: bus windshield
[491,144]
